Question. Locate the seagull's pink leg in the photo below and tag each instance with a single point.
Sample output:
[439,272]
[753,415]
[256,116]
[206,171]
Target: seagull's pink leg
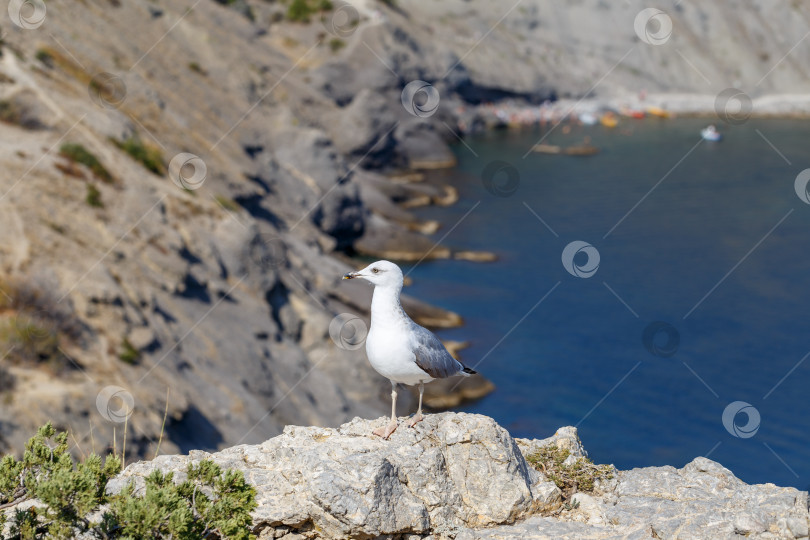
[386,431]
[418,416]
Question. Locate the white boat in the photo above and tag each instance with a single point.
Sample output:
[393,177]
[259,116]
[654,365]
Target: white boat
[588,119]
[710,133]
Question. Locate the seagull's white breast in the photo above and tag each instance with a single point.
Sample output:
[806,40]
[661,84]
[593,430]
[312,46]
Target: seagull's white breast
[390,352]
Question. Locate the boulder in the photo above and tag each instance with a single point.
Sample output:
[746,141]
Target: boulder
[452,471]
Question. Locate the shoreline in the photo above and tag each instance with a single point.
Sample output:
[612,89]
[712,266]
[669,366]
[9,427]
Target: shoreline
[734,109]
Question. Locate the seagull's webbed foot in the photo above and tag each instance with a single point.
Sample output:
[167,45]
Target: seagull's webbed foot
[386,431]
[416,419]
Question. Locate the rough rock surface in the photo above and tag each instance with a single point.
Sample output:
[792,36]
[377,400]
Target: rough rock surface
[463,476]
[449,472]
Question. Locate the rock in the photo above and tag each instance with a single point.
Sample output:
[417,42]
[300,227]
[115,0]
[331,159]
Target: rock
[364,129]
[566,438]
[452,471]
[460,476]
[387,240]
[422,147]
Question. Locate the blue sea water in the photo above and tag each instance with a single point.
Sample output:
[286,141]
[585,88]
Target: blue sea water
[706,242]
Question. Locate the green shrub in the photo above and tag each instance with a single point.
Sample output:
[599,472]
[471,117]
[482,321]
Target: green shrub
[79,154]
[209,503]
[129,354]
[335,44]
[147,155]
[228,204]
[93,197]
[301,10]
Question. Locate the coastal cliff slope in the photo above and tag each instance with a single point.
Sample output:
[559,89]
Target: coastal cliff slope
[183,182]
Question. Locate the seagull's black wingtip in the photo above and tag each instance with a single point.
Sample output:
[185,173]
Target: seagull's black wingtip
[469,371]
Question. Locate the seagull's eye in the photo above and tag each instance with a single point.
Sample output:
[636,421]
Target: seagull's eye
[375,270]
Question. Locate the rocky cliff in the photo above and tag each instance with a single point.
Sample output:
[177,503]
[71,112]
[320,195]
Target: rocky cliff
[185,181]
[463,476]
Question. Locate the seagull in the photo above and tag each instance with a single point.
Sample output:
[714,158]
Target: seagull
[398,348]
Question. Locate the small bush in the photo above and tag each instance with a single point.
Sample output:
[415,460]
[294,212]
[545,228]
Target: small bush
[93,197]
[335,44]
[45,56]
[147,155]
[580,475]
[129,354]
[79,154]
[33,324]
[210,503]
[10,113]
[228,204]
[197,68]
[302,10]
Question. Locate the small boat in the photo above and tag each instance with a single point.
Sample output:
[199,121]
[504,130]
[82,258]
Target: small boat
[658,111]
[588,119]
[632,113]
[710,133]
[609,120]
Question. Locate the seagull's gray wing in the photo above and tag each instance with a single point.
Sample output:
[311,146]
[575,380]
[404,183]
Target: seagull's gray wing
[431,356]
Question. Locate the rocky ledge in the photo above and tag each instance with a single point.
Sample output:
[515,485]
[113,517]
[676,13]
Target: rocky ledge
[463,476]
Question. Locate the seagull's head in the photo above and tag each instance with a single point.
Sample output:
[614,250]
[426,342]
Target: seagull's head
[380,273]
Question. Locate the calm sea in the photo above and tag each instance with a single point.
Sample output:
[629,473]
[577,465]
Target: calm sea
[690,338]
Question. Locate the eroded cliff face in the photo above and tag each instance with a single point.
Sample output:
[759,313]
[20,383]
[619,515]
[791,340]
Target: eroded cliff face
[235,155]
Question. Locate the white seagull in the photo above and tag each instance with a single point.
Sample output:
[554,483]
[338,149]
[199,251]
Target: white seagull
[398,348]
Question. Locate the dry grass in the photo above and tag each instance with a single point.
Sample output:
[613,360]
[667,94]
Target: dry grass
[34,324]
[581,475]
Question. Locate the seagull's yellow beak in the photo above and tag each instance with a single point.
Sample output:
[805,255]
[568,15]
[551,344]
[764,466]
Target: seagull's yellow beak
[351,275]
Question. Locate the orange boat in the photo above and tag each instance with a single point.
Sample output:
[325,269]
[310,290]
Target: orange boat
[609,120]
[658,111]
